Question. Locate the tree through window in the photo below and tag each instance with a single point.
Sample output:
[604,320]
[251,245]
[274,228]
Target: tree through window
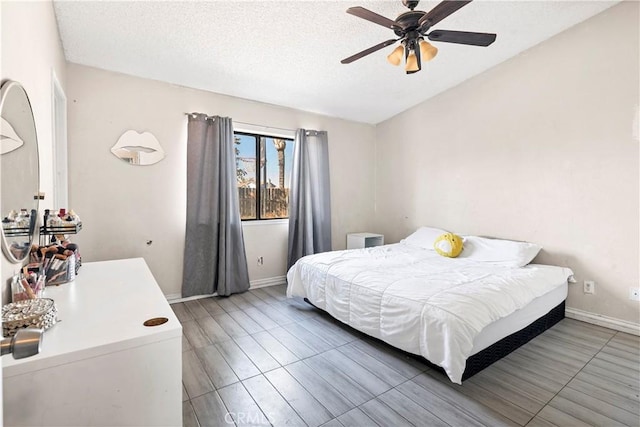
[263,170]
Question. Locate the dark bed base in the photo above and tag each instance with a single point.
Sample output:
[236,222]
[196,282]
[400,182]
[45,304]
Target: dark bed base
[506,345]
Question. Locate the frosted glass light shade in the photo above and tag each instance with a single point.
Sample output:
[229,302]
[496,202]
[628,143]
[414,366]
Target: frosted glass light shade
[412,62]
[427,51]
[395,57]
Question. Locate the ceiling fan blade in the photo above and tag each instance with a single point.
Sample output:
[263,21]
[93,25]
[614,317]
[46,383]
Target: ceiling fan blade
[363,13]
[368,51]
[440,12]
[462,37]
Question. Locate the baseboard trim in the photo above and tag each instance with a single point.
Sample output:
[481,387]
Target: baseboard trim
[172,297]
[253,284]
[269,281]
[176,298]
[605,321]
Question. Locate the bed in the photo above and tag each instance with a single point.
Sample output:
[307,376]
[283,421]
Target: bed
[460,314]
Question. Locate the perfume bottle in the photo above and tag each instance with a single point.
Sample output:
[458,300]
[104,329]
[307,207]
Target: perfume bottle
[54,220]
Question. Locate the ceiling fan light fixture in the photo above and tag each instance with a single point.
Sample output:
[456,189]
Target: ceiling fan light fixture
[412,27]
[395,57]
[412,62]
[427,50]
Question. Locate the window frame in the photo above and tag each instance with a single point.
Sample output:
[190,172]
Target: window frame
[258,180]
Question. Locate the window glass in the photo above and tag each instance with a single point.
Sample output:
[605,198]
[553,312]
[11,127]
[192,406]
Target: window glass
[245,146]
[264,163]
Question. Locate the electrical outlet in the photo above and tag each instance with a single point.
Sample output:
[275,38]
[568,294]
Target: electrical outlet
[634,294]
[589,287]
[260,261]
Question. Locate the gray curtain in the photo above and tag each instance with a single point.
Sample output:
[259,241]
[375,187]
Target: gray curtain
[309,197]
[214,255]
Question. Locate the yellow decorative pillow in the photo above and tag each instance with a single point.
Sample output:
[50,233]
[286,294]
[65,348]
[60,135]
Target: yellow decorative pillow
[448,244]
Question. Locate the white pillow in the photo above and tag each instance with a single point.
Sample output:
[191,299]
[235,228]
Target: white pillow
[508,253]
[424,237]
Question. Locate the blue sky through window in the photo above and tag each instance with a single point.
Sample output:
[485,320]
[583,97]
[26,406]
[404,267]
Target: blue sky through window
[247,153]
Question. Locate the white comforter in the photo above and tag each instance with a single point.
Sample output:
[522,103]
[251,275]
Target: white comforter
[417,300]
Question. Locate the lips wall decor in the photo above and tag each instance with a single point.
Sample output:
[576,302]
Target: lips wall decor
[139,149]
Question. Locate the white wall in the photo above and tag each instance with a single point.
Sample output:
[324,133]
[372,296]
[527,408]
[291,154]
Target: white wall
[123,206]
[266,239]
[539,148]
[30,50]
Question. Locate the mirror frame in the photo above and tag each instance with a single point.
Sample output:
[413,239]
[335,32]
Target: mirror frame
[138,148]
[8,85]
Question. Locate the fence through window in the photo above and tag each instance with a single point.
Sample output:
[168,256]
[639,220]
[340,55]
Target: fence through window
[263,163]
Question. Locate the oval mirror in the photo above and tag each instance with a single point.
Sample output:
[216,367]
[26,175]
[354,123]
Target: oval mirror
[19,172]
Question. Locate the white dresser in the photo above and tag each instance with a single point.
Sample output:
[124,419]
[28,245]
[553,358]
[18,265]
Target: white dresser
[99,365]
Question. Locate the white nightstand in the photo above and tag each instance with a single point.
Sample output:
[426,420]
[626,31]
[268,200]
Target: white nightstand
[364,240]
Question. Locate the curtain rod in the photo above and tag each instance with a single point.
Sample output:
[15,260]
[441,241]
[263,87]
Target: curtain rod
[195,114]
[265,127]
[309,132]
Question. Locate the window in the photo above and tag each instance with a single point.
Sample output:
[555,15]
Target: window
[263,163]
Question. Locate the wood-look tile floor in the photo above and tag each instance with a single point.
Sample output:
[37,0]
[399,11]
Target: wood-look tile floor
[259,358]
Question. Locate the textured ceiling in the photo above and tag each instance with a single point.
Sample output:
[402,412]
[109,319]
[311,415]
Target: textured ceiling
[288,53]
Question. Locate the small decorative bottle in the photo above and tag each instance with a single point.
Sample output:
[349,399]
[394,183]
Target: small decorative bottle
[54,220]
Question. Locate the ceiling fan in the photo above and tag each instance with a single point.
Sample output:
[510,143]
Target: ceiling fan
[412,28]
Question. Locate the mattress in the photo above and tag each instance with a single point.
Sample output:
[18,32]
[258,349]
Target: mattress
[519,319]
[420,302]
